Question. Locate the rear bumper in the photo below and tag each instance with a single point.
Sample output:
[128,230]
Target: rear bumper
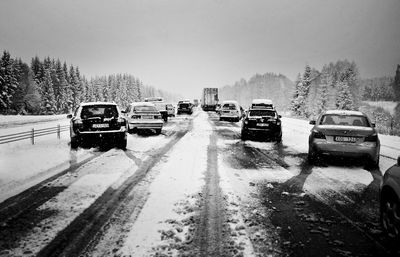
[146,125]
[229,116]
[369,149]
[185,110]
[268,132]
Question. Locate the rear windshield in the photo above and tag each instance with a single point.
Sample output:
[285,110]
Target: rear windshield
[105,111]
[229,106]
[182,105]
[344,120]
[262,113]
[144,108]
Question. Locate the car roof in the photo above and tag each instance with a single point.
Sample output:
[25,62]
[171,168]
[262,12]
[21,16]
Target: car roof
[230,102]
[344,112]
[142,104]
[261,101]
[97,103]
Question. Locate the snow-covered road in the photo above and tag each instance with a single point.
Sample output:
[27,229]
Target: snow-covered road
[159,195]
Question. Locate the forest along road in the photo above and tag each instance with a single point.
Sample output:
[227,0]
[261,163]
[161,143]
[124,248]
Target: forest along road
[199,190]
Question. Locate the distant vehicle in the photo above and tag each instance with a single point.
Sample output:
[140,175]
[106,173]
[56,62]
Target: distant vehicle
[196,102]
[209,99]
[263,103]
[230,110]
[344,133]
[98,122]
[143,116]
[184,107]
[262,121]
[160,105]
[390,201]
[218,108]
[170,110]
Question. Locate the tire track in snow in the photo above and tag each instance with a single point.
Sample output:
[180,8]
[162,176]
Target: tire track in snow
[74,239]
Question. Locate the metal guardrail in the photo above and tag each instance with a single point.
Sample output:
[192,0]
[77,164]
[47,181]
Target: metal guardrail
[32,134]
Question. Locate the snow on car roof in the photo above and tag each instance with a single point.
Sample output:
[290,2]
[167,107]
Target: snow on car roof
[229,102]
[344,112]
[261,101]
[142,104]
[97,103]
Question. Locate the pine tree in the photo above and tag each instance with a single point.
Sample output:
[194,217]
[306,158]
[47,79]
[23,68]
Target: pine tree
[48,99]
[396,84]
[75,87]
[344,98]
[8,81]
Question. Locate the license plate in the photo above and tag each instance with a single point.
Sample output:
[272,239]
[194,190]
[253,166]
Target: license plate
[346,139]
[147,117]
[262,124]
[101,125]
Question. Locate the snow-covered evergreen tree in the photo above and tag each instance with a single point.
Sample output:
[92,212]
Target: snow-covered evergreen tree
[344,97]
[8,81]
[48,99]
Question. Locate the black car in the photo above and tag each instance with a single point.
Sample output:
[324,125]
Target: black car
[390,201]
[262,121]
[184,107]
[99,122]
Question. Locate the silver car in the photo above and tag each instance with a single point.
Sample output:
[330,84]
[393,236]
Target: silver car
[143,116]
[390,201]
[344,133]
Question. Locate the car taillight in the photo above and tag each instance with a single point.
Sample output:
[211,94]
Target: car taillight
[278,123]
[246,122]
[318,134]
[371,138]
[157,117]
[121,121]
[78,122]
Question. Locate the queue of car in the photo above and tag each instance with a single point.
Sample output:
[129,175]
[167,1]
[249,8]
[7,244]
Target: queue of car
[334,133]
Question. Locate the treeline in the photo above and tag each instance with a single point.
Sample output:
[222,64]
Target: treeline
[269,85]
[336,86]
[383,88]
[50,86]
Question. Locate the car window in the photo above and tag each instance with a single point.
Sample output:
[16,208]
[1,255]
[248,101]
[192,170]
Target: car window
[344,120]
[262,113]
[105,111]
[229,106]
[144,108]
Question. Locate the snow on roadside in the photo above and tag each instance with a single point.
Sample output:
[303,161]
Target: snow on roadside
[15,120]
[161,222]
[99,174]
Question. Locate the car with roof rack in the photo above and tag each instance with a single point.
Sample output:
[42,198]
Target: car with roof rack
[98,122]
[262,119]
[344,133]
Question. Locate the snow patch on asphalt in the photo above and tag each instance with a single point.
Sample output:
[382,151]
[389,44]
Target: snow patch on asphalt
[180,177]
[326,182]
[69,204]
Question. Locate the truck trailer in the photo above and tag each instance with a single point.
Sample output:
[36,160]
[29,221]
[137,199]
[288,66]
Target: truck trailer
[209,99]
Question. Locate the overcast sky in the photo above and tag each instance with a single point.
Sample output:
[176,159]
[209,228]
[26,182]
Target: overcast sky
[184,45]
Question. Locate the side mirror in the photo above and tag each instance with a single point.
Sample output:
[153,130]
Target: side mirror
[312,122]
[69,116]
[373,125]
[123,111]
[279,116]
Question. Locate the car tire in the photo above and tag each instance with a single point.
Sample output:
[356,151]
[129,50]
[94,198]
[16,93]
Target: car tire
[390,215]
[279,139]
[221,119]
[244,135]
[75,142]
[122,144]
[158,131]
[312,156]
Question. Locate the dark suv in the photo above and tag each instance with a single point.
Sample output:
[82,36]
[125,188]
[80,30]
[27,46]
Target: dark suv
[98,122]
[184,107]
[262,121]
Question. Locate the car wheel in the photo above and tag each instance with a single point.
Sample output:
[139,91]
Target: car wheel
[279,139]
[244,135]
[158,131]
[390,215]
[74,142]
[221,119]
[130,130]
[122,144]
[312,156]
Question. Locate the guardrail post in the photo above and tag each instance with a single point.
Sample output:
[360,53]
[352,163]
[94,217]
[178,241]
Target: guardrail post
[33,136]
[58,131]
